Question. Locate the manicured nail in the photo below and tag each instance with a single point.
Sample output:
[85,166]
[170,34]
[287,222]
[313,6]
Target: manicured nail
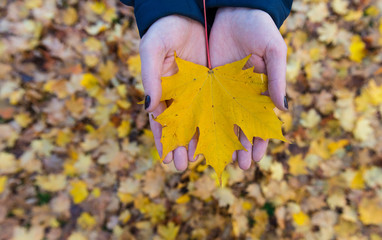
[147,101]
[285,102]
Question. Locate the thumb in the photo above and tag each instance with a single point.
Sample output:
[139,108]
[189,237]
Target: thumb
[275,62]
[152,61]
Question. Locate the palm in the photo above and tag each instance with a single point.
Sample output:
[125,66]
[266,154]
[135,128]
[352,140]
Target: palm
[238,32]
[165,37]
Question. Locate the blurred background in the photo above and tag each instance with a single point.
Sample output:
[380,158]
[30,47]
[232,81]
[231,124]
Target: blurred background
[77,159]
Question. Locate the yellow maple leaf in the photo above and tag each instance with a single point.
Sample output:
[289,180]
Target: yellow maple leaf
[125,216]
[297,166]
[134,65]
[372,11]
[370,211]
[96,192]
[125,197]
[93,44]
[3,183]
[107,71]
[301,219]
[358,182]
[79,191]
[23,119]
[34,4]
[51,182]
[59,87]
[90,83]
[214,101]
[340,144]
[357,49]
[86,221]
[8,163]
[168,232]
[97,7]
[63,138]
[70,16]
[183,199]
[373,93]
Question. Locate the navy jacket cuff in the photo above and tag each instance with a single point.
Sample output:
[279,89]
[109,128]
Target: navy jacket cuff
[277,9]
[148,11]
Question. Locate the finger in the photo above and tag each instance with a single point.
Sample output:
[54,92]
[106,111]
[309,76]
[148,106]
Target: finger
[180,158]
[168,158]
[257,63]
[244,157]
[192,147]
[152,57]
[259,148]
[275,61]
[236,130]
[156,128]
[234,156]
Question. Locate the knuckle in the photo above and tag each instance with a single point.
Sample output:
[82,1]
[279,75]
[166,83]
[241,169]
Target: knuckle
[278,47]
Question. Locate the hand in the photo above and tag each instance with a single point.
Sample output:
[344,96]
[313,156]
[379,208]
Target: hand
[238,32]
[168,35]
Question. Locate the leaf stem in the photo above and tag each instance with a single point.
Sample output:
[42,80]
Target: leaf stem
[205,30]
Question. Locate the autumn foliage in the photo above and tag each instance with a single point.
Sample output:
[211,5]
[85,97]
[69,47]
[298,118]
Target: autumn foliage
[77,158]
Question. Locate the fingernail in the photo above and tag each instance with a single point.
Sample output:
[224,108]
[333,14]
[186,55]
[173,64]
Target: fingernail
[147,101]
[285,102]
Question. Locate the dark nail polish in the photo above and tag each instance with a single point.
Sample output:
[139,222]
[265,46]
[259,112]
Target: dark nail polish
[147,101]
[285,102]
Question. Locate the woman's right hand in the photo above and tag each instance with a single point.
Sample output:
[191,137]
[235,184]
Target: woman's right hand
[168,35]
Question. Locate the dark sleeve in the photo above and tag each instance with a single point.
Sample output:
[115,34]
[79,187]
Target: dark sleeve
[277,9]
[128,2]
[148,11]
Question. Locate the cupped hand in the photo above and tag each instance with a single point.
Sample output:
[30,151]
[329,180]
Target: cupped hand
[168,35]
[236,33]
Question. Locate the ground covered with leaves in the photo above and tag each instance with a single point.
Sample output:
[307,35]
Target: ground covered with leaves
[77,159]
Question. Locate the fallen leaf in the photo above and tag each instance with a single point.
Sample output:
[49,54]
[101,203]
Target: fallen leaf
[318,12]
[301,219]
[154,183]
[277,171]
[69,16]
[310,119]
[363,131]
[51,182]
[78,191]
[34,232]
[297,165]
[168,232]
[370,211]
[357,49]
[373,176]
[23,119]
[86,221]
[340,6]
[124,129]
[3,183]
[224,196]
[183,199]
[77,236]
[8,163]
[204,187]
